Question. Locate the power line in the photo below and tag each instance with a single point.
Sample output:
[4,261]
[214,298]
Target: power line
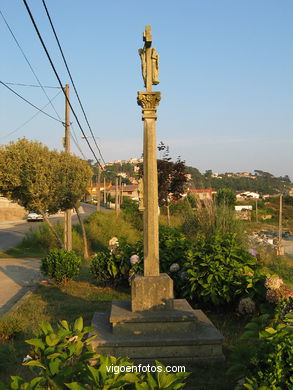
[31,118]
[66,65]
[31,85]
[57,76]
[39,109]
[27,61]
[74,137]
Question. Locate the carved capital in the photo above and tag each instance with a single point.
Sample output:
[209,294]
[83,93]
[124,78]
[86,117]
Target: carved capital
[148,100]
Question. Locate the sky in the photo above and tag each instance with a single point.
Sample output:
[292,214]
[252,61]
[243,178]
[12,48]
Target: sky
[226,78]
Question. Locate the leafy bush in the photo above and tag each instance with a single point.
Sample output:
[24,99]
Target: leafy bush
[114,267]
[40,237]
[131,213]
[219,272]
[61,265]
[63,359]
[101,227]
[263,359]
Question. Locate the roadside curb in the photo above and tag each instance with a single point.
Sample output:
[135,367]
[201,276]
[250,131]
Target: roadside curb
[20,301]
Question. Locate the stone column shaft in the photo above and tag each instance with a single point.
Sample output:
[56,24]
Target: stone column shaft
[149,102]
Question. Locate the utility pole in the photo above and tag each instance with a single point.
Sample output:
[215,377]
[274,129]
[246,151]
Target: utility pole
[120,192]
[99,189]
[116,196]
[256,211]
[280,247]
[67,213]
[105,195]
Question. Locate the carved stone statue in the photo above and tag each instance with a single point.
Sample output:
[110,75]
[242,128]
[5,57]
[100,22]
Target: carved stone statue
[155,66]
[142,54]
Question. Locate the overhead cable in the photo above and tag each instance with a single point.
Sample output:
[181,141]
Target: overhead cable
[27,61]
[32,85]
[69,73]
[31,118]
[58,78]
[39,109]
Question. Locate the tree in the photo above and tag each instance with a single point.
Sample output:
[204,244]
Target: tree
[226,197]
[171,178]
[42,180]
[27,176]
[72,179]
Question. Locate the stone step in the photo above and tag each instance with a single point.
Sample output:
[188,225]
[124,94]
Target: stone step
[202,345]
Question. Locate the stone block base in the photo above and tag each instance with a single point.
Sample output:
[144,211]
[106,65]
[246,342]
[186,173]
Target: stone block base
[172,336]
[124,322]
[152,293]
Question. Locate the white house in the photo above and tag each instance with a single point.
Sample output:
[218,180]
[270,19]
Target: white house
[244,207]
[247,194]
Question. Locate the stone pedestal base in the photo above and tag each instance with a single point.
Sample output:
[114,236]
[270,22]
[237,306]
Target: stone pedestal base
[151,293]
[170,336]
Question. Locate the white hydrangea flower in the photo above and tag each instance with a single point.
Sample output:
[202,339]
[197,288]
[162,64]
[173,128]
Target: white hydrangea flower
[134,259]
[27,359]
[174,267]
[246,306]
[113,241]
[273,282]
[113,244]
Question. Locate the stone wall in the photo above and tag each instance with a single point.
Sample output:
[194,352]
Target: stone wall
[10,211]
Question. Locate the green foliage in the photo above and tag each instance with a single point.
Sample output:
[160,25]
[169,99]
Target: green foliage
[131,213]
[63,359]
[72,176]
[101,227]
[114,267]
[219,272]
[207,218]
[226,197]
[265,353]
[10,326]
[288,200]
[61,265]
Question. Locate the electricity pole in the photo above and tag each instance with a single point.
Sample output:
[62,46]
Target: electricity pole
[256,211]
[121,192]
[116,196]
[105,195]
[280,248]
[99,189]
[67,213]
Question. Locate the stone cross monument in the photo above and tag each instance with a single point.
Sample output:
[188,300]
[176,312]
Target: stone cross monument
[154,325]
[154,290]
[149,100]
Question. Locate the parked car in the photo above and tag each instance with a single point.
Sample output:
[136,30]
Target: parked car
[34,217]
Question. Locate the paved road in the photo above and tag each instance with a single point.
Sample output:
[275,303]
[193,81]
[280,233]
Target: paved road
[17,276]
[11,233]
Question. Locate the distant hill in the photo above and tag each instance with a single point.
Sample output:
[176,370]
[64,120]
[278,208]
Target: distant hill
[260,181]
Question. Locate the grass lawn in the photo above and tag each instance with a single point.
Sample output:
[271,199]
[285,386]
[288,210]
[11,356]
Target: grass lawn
[52,303]
[56,302]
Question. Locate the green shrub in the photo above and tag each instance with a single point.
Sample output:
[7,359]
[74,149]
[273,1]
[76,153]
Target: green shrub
[63,359]
[263,359]
[9,328]
[101,227]
[219,272]
[40,237]
[115,267]
[131,213]
[61,265]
